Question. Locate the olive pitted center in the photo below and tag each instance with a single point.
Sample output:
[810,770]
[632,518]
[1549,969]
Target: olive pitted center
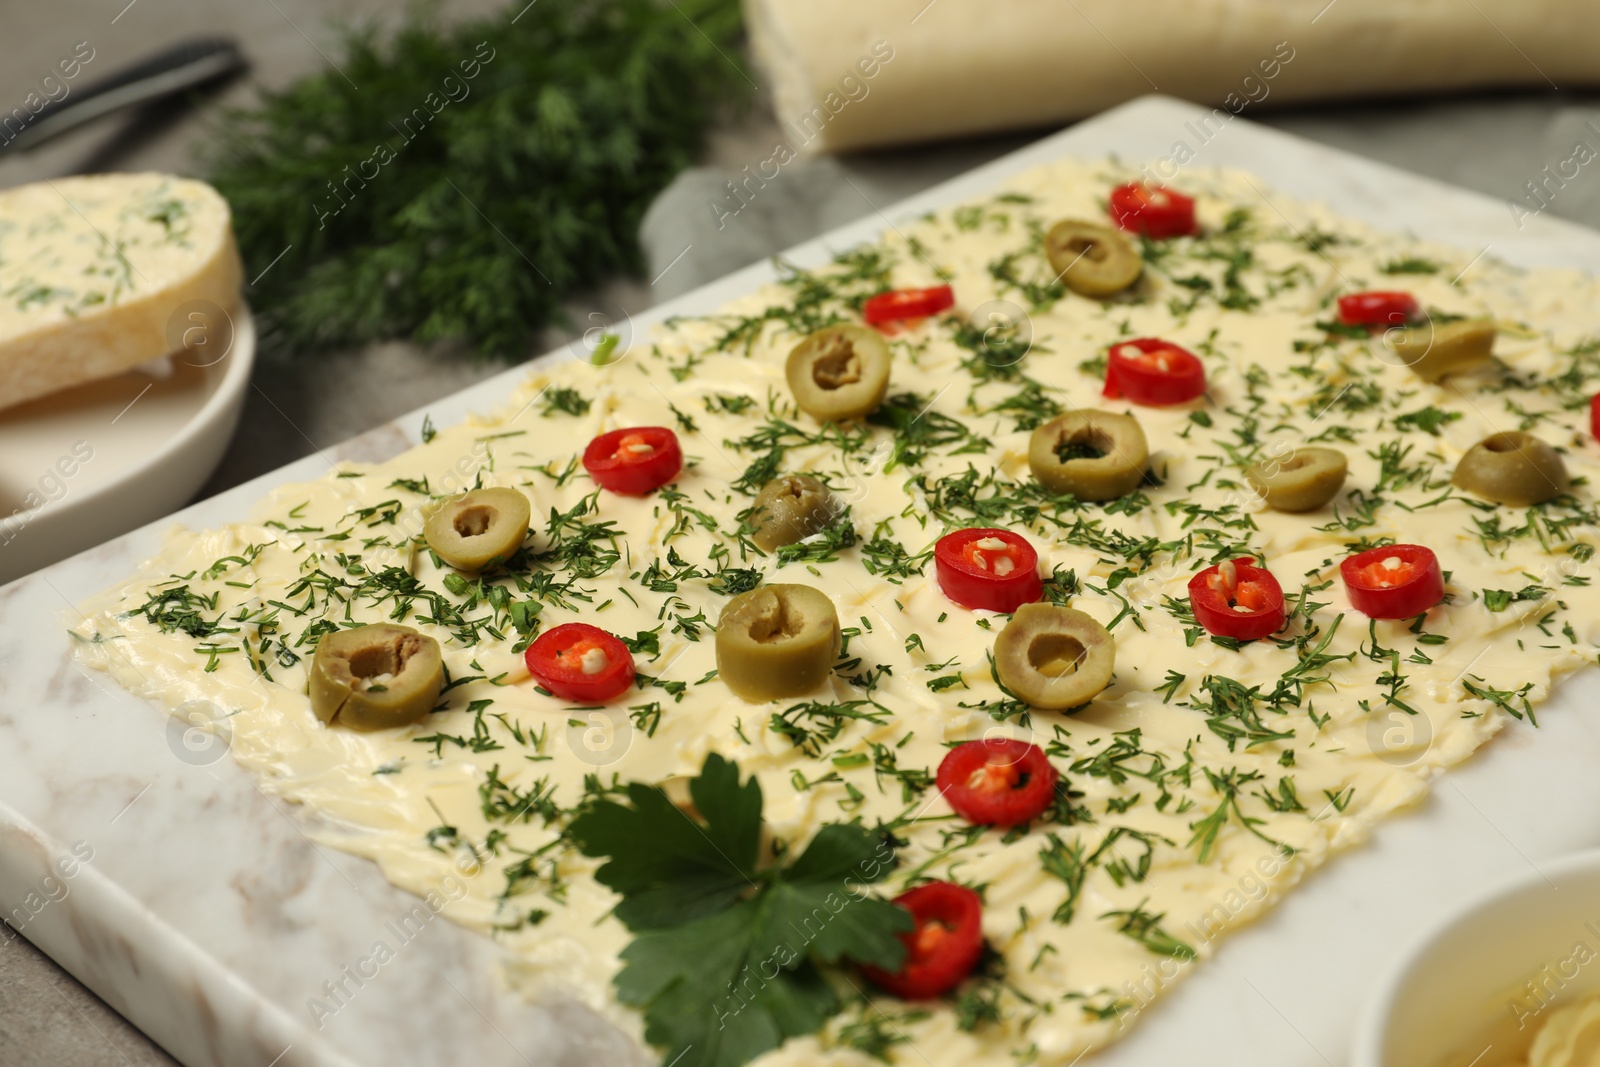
[1501,442]
[1088,247]
[838,366]
[474,521]
[1056,654]
[774,618]
[1088,443]
[385,658]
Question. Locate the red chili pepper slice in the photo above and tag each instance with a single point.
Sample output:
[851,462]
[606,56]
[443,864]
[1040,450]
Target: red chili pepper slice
[1153,372]
[1237,599]
[634,461]
[1378,308]
[1594,416]
[987,569]
[576,661]
[942,948]
[998,781]
[1393,581]
[1154,211]
[907,304]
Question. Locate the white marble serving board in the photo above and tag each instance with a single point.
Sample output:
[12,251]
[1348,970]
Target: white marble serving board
[208,918]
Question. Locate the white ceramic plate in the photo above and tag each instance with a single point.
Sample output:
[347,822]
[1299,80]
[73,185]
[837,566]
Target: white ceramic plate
[84,465]
[1477,987]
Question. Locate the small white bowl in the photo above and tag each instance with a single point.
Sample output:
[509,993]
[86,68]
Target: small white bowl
[1481,982]
[90,463]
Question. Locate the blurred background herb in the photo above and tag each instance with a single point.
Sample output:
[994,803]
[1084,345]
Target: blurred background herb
[457,182]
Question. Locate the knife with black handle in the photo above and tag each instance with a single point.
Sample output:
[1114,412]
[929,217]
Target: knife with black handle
[174,70]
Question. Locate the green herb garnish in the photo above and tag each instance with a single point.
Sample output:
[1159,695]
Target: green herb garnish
[727,956]
[460,181]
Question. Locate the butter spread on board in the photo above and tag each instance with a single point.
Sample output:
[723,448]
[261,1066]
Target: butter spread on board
[1207,779]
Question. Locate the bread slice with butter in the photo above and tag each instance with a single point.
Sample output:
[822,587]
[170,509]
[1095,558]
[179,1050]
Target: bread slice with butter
[102,272]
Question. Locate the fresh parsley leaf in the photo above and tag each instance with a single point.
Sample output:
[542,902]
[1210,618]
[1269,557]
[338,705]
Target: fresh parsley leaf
[864,929]
[706,999]
[727,958]
[670,868]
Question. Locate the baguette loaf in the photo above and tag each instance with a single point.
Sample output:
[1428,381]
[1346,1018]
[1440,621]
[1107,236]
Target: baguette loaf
[94,269]
[847,75]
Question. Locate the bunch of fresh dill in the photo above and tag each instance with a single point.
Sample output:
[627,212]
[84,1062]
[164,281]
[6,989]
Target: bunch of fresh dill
[456,182]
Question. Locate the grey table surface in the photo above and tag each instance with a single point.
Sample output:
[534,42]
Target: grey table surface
[1493,143]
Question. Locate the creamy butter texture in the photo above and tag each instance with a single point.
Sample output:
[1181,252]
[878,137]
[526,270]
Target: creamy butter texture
[63,258]
[1571,1038]
[1205,781]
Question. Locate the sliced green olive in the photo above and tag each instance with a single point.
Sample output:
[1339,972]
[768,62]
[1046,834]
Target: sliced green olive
[839,373]
[1094,455]
[374,677]
[1434,351]
[1090,259]
[1054,657]
[478,528]
[1512,468]
[777,641]
[791,508]
[1303,480]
